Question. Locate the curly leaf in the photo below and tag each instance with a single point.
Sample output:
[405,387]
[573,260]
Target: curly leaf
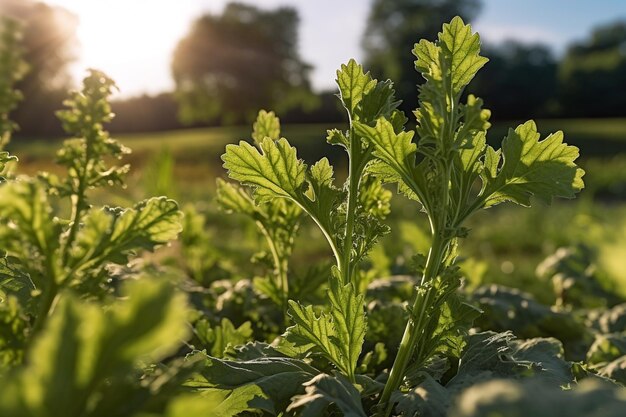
[110,235]
[86,347]
[276,171]
[323,390]
[353,85]
[315,332]
[545,169]
[267,125]
[264,383]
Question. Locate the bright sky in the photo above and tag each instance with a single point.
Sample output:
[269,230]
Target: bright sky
[133,40]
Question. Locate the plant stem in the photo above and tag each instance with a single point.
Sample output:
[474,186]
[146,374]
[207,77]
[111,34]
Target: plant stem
[280,266]
[414,326]
[48,297]
[416,323]
[353,188]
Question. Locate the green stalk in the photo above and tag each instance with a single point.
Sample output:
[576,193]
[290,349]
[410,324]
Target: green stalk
[414,327]
[354,178]
[48,298]
[280,266]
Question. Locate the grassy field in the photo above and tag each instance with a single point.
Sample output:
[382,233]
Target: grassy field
[195,153]
[595,137]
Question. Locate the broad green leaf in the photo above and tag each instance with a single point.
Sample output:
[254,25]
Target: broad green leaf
[272,380]
[86,346]
[26,204]
[548,359]
[234,199]
[316,332]
[378,102]
[111,234]
[396,150]
[428,399]
[324,390]
[453,60]
[591,398]
[14,326]
[216,339]
[349,322]
[267,125]
[213,402]
[545,169]
[511,309]
[460,49]
[339,334]
[353,85]
[275,171]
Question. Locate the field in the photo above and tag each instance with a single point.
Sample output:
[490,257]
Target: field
[185,163]
[430,270]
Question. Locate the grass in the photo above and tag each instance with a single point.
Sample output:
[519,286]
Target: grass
[196,152]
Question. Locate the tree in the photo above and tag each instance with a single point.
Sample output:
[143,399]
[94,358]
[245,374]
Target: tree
[593,72]
[230,65]
[528,71]
[392,28]
[50,43]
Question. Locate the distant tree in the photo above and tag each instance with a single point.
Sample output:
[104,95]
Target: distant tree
[528,75]
[592,74]
[145,113]
[230,65]
[394,26]
[50,45]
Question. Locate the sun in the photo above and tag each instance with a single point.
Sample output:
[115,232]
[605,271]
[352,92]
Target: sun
[132,41]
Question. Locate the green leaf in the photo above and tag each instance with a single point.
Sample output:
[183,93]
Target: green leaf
[337,137]
[324,390]
[607,347]
[86,346]
[349,322]
[111,234]
[591,398]
[264,383]
[216,339]
[616,370]
[511,309]
[428,399]
[214,403]
[26,204]
[460,49]
[353,85]
[545,169]
[267,125]
[276,171]
[234,199]
[337,335]
[315,332]
[396,150]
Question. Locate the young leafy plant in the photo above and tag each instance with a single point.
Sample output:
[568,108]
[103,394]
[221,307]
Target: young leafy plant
[278,219]
[81,332]
[444,164]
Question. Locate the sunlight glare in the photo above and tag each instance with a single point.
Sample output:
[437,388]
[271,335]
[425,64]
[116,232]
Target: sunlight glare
[121,36]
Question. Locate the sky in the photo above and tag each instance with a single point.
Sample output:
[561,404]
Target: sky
[138,56]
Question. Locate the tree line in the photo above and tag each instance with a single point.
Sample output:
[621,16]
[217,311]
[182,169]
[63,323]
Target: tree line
[231,64]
